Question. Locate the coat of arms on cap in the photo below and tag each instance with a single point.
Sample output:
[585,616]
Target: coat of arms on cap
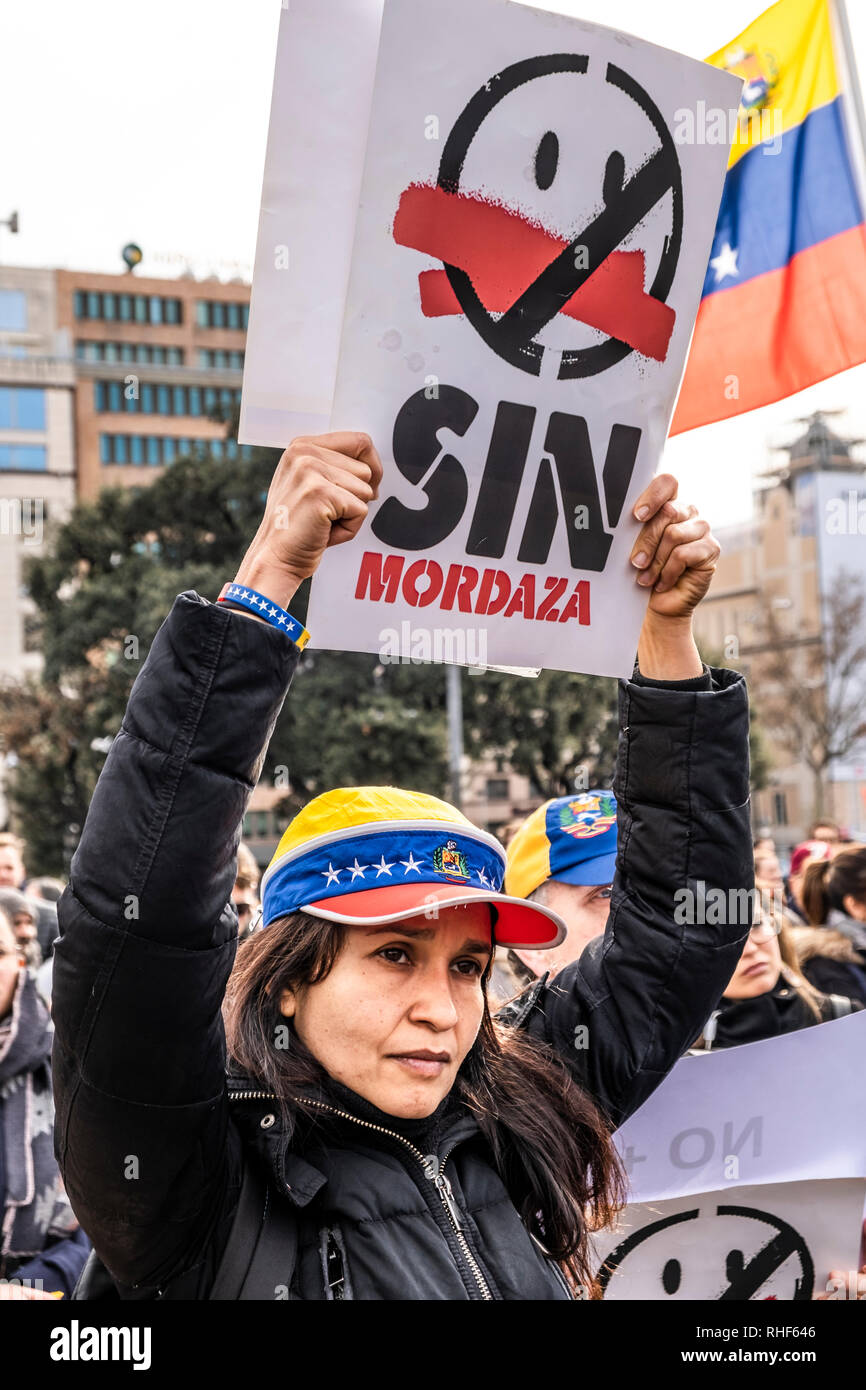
[450,861]
[588,815]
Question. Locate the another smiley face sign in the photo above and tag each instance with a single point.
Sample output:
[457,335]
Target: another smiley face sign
[750,1244]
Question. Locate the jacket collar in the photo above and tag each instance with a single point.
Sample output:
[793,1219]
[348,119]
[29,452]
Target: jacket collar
[286,1150]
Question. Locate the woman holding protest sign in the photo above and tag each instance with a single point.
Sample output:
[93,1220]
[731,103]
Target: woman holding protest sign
[380,1135]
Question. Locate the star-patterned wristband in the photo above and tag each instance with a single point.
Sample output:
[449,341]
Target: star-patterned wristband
[242,597]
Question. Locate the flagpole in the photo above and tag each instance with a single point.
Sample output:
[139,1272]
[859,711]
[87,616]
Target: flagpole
[856,112]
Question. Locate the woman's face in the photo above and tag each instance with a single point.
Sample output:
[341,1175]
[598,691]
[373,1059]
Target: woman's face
[400,1009]
[760,964]
[11,962]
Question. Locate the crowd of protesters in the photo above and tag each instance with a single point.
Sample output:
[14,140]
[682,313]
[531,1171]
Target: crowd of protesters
[341,1148]
[804,963]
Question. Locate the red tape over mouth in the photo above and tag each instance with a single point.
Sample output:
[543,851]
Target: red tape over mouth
[503,253]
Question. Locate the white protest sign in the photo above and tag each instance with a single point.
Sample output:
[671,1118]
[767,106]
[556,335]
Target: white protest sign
[529,253]
[320,108]
[778,1241]
[783,1110]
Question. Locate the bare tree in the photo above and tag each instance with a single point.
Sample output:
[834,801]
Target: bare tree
[811,691]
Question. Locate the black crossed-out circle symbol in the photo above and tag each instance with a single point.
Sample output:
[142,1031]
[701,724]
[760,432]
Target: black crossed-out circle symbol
[745,1278]
[512,335]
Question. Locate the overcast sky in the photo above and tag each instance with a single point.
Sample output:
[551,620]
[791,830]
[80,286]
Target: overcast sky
[148,123]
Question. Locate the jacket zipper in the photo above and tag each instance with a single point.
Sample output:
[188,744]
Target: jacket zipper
[434,1170]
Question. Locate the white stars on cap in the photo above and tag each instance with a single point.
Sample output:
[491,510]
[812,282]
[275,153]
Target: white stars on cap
[331,874]
[410,864]
[357,870]
[383,868]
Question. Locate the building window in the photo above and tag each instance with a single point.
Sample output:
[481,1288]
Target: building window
[148,399]
[780,808]
[13,310]
[140,306]
[109,306]
[22,408]
[178,400]
[125,307]
[160,449]
[219,313]
[497,788]
[174,356]
[195,400]
[32,458]
[94,305]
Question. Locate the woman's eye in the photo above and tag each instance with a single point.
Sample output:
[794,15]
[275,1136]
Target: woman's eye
[473,967]
[394,954]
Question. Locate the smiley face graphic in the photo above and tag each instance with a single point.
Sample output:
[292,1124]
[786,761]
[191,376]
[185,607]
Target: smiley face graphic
[566,276]
[726,1253]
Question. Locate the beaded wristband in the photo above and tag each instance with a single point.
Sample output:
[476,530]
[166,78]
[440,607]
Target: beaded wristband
[241,597]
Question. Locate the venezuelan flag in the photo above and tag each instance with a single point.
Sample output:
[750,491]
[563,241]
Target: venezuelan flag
[784,299]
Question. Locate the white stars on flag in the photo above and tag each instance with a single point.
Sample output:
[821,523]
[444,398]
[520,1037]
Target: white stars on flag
[725,263]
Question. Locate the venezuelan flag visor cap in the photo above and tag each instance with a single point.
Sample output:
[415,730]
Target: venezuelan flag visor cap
[379,854]
[571,839]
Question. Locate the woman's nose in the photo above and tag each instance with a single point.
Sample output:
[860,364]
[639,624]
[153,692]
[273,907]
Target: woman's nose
[434,1002]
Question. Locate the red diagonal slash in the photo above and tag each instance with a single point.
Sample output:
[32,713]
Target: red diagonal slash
[503,252]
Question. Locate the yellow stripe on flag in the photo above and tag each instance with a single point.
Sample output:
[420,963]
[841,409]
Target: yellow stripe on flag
[786,58]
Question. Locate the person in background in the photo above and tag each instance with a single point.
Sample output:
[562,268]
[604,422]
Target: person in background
[245,894]
[41,1239]
[49,890]
[826,830]
[768,872]
[24,918]
[802,855]
[562,857]
[12,873]
[830,961]
[834,894]
[764,843]
[767,995]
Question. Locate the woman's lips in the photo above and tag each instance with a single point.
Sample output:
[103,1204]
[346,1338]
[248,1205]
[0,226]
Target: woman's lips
[758,967]
[422,1065]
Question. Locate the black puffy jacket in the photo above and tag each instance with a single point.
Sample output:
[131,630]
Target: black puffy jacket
[152,1148]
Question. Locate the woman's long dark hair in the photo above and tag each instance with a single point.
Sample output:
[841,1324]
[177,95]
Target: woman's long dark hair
[828,882]
[550,1142]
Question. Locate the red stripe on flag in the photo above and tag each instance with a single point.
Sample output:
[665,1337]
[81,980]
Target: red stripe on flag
[503,253]
[777,333]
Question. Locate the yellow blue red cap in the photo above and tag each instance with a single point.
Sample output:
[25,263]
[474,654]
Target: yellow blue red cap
[362,854]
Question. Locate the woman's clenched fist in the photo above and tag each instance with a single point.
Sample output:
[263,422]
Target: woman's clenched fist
[318,497]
